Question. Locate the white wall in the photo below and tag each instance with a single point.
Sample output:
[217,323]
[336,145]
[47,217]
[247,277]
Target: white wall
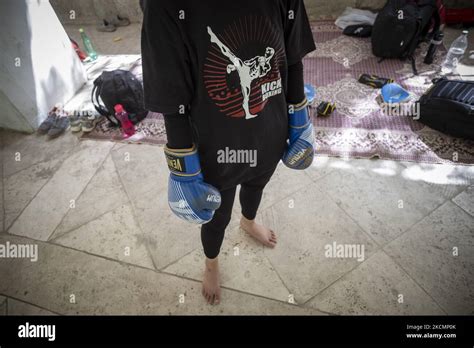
[38,67]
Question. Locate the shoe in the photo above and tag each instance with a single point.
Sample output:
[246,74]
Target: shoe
[121,21]
[46,125]
[59,127]
[76,124]
[106,27]
[88,123]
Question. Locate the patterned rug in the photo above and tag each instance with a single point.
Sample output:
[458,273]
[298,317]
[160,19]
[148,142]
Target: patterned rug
[359,127]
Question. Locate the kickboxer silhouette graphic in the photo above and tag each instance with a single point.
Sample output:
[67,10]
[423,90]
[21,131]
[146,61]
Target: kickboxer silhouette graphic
[248,70]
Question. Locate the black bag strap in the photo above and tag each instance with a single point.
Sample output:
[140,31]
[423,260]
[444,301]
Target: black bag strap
[95,97]
[437,25]
[413,65]
[420,30]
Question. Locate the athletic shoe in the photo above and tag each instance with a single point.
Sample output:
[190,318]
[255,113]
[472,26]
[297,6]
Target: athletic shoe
[49,122]
[59,127]
[76,123]
[89,122]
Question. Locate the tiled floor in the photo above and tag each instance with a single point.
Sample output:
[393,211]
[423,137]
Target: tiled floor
[108,243]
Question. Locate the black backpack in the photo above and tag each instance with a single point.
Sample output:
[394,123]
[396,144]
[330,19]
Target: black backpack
[400,27]
[448,107]
[119,87]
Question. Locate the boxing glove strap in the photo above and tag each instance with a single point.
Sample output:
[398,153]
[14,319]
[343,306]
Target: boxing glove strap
[183,162]
[299,118]
[300,106]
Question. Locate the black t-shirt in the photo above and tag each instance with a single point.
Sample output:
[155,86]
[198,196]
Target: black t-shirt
[226,62]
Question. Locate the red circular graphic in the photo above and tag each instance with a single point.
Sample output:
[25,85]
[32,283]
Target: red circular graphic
[250,39]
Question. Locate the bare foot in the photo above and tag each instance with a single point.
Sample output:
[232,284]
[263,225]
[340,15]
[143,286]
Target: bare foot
[264,235]
[211,289]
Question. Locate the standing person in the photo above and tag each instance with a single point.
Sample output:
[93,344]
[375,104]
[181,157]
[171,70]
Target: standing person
[228,77]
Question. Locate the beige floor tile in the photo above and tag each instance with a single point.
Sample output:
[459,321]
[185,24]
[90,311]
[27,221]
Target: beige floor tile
[21,308]
[3,306]
[22,151]
[322,165]
[168,237]
[103,194]
[104,287]
[383,203]
[465,200]
[114,235]
[284,182]
[142,168]
[2,208]
[305,233]
[41,217]
[377,287]
[427,253]
[21,187]
[243,267]
[236,303]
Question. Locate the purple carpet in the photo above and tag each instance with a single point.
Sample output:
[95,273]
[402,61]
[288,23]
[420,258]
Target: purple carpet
[359,127]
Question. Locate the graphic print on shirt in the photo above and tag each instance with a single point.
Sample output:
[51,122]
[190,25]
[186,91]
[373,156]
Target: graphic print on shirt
[242,67]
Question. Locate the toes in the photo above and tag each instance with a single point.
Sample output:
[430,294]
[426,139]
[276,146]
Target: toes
[273,237]
[206,295]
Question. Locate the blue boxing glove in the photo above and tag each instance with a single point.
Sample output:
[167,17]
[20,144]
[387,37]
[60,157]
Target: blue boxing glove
[189,197]
[300,151]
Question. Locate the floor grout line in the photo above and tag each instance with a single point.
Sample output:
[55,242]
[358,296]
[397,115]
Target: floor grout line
[366,233]
[80,194]
[340,278]
[125,264]
[452,200]
[268,259]
[31,200]
[66,155]
[177,260]
[28,303]
[414,224]
[414,280]
[60,164]
[244,292]
[85,223]
[134,214]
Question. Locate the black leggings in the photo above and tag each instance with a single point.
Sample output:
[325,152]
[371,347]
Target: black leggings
[212,233]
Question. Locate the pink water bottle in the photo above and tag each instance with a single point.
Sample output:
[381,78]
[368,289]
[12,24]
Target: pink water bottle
[127,126]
